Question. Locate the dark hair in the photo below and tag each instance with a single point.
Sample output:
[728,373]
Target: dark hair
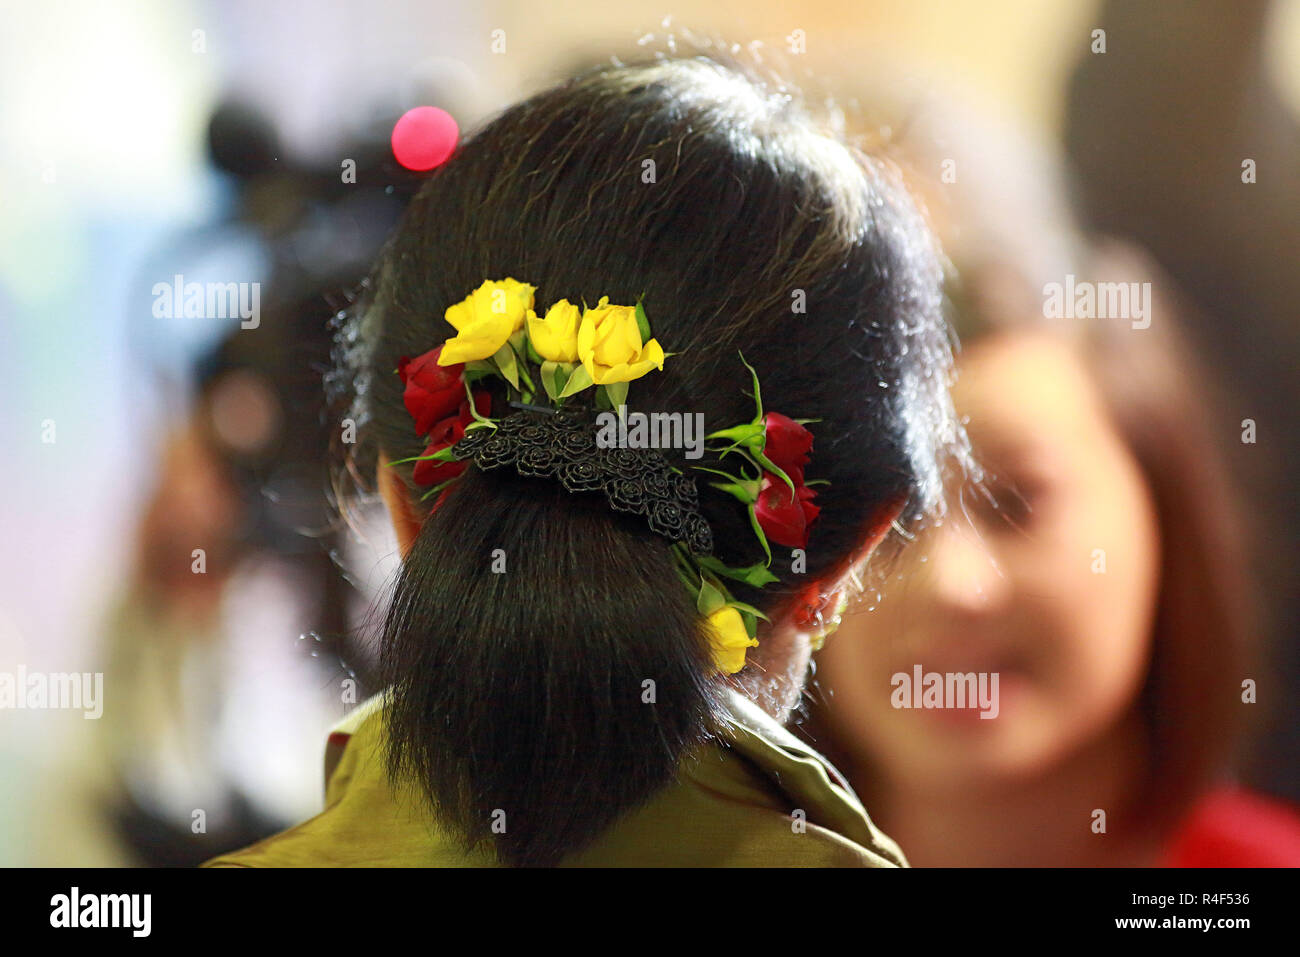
[696,184]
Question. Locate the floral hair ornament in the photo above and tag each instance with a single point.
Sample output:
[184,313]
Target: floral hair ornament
[576,359]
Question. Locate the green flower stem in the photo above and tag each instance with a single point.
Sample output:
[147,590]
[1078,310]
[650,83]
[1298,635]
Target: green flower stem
[436,489]
[762,538]
[442,455]
[473,411]
[771,466]
[758,393]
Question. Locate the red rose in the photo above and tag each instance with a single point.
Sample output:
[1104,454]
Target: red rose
[785,517]
[432,391]
[444,435]
[787,445]
[432,472]
[810,511]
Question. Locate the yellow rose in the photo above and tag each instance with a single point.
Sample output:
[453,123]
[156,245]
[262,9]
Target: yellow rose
[610,347]
[485,319]
[729,639]
[556,337]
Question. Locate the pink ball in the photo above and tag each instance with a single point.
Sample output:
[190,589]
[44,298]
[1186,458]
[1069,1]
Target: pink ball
[424,137]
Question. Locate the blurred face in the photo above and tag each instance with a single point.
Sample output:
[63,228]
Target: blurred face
[1052,591]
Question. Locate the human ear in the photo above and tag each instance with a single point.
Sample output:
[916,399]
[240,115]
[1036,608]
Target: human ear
[392,490]
[817,606]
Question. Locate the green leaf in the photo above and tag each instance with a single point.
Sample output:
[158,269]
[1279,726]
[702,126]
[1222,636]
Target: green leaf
[579,380]
[532,354]
[751,624]
[711,579]
[740,434]
[642,322]
[775,470]
[743,491]
[760,576]
[518,342]
[528,380]
[549,383]
[477,369]
[755,575]
[710,599]
[617,392]
[507,363]
[563,370]
[744,609]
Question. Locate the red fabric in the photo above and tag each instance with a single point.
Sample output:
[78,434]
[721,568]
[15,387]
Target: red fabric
[1232,827]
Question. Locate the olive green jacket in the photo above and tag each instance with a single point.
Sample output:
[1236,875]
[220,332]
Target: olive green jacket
[758,797]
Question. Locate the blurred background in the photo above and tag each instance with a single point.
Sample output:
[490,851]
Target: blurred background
[165,482]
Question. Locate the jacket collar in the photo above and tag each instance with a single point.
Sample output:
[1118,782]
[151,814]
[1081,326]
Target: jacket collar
[809,781]
[806,779]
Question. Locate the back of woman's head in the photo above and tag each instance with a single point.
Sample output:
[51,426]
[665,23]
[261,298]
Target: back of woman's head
[548,669]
